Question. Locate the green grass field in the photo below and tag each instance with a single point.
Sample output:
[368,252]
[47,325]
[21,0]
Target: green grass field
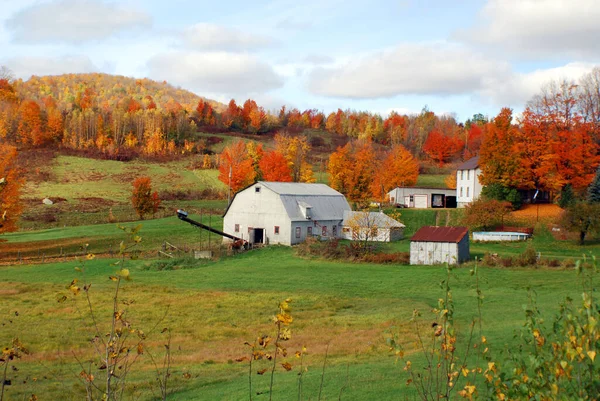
[214,307]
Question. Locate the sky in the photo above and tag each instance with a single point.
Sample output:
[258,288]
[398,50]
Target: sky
[458,57]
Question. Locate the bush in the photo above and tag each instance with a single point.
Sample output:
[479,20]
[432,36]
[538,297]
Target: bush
[528,257]
[402,258]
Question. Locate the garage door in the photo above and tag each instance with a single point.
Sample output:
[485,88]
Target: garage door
[421,201]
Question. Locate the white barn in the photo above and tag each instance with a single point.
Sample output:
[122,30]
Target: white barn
[371,226]
[437,245]
[468,187]
[285,212]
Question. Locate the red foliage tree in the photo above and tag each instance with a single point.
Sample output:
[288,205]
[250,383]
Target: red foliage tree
[235,162]
[274,167]
[442,148]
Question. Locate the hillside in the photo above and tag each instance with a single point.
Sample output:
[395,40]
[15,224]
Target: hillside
[105,89]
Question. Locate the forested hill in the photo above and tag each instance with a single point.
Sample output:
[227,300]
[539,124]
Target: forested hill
[106,91]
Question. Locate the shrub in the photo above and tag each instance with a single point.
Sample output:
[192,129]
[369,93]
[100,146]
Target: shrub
[528,257]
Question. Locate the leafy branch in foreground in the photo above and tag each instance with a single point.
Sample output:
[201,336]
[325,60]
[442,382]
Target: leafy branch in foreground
[117,343]
[444,367]
[557,362]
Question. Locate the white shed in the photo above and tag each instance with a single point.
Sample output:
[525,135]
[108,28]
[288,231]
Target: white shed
[371,226]
[437,245]
[422,198]
[285,212]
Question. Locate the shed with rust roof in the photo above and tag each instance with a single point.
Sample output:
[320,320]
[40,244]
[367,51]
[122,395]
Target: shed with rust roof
[437,245]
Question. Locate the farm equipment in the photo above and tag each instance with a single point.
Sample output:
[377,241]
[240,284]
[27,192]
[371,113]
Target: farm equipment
[238,243]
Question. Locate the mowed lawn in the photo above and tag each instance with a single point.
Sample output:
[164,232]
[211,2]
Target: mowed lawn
[213,307]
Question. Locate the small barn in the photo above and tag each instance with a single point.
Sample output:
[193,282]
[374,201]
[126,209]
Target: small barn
[371,226]
[285,212]
[423,198]
[437,245]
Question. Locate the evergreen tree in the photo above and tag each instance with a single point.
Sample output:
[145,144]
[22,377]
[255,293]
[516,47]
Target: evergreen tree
[567,197]
[594,189]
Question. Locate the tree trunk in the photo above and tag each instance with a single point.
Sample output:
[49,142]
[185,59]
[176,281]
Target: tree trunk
[582,237]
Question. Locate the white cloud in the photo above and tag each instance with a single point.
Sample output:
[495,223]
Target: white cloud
[518,88]
[429,68]
[26,66]
[534,28]
[216,37]
[73,21]
[221,72]
[318,59]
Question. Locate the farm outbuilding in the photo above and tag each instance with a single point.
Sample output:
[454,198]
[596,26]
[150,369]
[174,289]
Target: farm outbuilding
[371,226]
[437,245]
[285,213]
[423,198]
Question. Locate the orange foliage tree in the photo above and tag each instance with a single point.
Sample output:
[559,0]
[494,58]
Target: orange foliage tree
[274,167]
[398,169]
[442,148]
[352,169]
[235,166]
[10,189]
[31,130]
[143,199]
[296,150]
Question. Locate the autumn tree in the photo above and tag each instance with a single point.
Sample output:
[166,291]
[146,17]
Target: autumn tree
[583,218]
[235,167]
[10,189]
[296,151]
[486,214]
[352,170]
[274,167]
[441,148]
[144,201]
[398,169]
[497,160]
[450,180]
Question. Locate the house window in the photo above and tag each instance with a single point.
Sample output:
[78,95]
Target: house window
[461,190]
[236,228]
[309,231]
[468,176]
[411,198]
[298,232]
[324,231]
[257,189]
[467,192]
[334,231]
[276,229]
[461,174]
[346,229]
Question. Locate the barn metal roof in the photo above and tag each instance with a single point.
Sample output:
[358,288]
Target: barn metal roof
[470,164]
[325,202]
[440,234]
[380,220]
[300,188]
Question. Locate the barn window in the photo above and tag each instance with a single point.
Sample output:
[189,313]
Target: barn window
[324,231]
[334,231]
[276,229]
[257,189]
[309,231]
[298,232]
[237,228]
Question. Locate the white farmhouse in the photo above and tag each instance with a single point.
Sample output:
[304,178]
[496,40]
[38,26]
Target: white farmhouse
[285,212]
[437,245]
[371,226]
[468,187]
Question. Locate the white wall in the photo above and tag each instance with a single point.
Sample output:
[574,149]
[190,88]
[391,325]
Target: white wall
[432,253]
[467,180]
[383,234]
[262,209]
